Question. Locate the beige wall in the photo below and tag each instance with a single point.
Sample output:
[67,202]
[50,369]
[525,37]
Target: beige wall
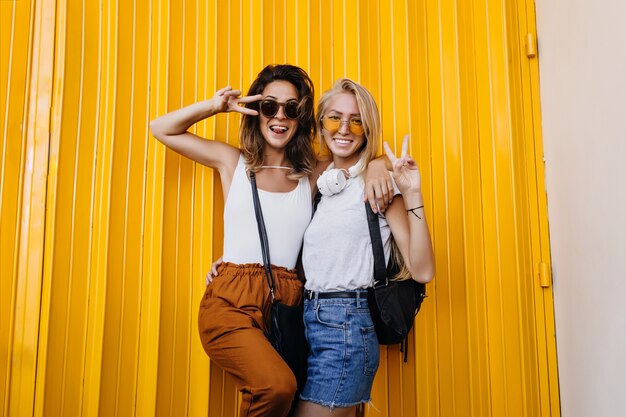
[582,56]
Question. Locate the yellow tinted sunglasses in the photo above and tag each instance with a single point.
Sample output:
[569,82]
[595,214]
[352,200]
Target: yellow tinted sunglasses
[332,123]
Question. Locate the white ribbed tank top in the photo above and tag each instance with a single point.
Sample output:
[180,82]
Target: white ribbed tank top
[286,215]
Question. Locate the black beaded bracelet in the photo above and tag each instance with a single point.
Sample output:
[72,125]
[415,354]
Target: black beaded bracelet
[413,211]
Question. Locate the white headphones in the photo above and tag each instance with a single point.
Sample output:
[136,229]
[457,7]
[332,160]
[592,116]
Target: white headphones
[333,180]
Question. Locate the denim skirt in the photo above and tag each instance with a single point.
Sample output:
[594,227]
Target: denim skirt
[344,351]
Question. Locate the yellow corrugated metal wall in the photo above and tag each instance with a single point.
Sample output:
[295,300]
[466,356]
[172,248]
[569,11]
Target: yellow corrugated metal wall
[106,236]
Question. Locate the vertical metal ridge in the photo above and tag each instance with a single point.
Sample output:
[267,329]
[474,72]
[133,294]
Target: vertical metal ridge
[25,305]
[358,41]
[407,54]
[482,72]
[464,192]
[285,43]
[149,337]
[6,104]
[473,218]
[431,34]
[198,384]
[175,278]
[451,131]
[192,198]
[167,81]
[392,69]
[118,281]
[522,247]
[10,256]
[144,402]
[544,302]
[123,383]
[105,129]
[177,166]
[139,150]
[53,196]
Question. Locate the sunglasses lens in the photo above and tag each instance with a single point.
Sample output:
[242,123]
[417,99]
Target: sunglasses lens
[356,126]
[331,123]
[292,109]
[269,108]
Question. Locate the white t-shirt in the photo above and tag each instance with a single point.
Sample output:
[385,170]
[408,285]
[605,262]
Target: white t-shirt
[286,217]
[337,254]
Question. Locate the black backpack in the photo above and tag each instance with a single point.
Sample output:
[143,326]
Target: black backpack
[393,304]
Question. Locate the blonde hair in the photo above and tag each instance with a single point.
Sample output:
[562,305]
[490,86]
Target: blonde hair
[370,117]
[396,258]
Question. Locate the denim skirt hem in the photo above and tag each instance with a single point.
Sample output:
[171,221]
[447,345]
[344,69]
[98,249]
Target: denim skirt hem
[334,405]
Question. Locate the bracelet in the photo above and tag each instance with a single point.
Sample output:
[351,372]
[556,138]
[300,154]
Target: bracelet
[413,211]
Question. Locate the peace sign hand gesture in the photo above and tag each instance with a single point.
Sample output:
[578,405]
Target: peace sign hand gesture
[229,100]
[405,171]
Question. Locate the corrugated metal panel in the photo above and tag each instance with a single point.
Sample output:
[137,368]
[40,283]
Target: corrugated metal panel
[14,64]
[130,228]
[26,63]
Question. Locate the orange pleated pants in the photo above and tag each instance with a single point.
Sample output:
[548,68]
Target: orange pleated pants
[232,322]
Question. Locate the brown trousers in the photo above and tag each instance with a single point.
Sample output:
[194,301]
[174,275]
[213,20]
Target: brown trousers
[231,321]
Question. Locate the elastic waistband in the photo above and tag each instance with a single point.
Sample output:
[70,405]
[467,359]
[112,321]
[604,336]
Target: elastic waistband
[312,295]
[280,272]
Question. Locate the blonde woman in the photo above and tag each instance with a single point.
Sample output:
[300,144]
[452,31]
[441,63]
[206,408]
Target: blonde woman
[337,254]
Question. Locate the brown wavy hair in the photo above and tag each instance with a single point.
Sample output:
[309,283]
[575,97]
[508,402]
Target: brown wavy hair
[299,151]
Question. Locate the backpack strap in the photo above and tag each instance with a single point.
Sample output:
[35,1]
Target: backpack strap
[316,201]
[380,266]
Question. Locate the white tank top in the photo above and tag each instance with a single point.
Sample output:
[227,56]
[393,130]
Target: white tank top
[286,216]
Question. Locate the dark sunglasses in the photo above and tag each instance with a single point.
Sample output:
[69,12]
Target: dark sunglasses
[269,108]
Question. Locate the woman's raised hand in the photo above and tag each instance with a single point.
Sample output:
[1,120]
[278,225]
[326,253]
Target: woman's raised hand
[229,100]
[405,171]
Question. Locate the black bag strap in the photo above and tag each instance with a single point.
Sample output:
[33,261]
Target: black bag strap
[380,266]
[316,201]
[265,249]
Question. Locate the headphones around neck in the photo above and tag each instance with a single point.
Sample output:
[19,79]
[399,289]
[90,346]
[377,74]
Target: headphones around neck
[333,180]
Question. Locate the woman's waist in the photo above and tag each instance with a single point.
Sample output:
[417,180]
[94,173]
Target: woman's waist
[256,269]
[330,286]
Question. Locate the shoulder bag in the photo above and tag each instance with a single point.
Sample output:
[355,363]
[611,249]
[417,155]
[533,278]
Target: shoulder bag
[286,328]
[393,304]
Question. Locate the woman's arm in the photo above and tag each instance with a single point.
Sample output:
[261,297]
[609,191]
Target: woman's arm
[407,219]
[410,231]
[171,129]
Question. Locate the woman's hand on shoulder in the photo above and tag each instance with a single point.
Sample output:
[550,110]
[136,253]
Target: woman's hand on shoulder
[378,186]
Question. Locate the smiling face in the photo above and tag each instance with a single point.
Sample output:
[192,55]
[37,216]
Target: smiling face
[278,130]
[343,144]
